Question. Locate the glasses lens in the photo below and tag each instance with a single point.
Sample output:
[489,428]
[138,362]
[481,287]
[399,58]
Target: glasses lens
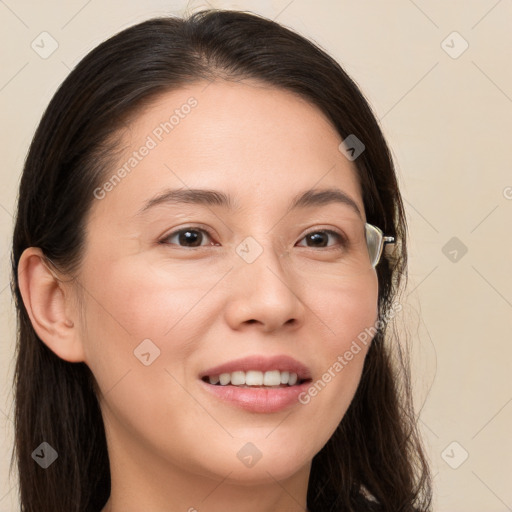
[374,241]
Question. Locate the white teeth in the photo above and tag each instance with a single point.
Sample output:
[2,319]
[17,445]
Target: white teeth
[253,378]
[238,378]
[272,378]
[225,378]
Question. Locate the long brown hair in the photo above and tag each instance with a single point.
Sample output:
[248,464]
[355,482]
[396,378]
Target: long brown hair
[374,460]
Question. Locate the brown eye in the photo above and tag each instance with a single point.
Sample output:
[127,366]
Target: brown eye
[187,237]
[320,238]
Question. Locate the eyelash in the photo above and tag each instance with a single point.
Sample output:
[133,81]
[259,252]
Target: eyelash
[341,237]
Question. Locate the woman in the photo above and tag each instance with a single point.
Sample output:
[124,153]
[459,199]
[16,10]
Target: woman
[202,286]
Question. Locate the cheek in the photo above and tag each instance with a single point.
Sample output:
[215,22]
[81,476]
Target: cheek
[126,306]
[346,309]
[348,313]
[134,302]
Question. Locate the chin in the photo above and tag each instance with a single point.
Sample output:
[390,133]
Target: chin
[260,462]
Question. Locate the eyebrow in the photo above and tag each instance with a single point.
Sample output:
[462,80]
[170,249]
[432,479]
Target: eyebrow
[207,197]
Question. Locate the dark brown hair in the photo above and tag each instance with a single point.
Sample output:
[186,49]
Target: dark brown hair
[374,460]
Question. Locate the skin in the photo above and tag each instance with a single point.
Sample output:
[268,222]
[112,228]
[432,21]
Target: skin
[172,446]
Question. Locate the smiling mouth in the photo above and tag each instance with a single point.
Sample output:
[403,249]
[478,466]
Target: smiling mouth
[255,379]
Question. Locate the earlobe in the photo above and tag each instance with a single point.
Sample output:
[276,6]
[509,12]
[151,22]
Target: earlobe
[49,306]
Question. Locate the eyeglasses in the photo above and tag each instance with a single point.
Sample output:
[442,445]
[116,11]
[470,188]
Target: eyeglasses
[375,241]
[357,251]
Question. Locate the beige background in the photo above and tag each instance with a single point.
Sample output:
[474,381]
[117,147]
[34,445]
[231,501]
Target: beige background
[447,115]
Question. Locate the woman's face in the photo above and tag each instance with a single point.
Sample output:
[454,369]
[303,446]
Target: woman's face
[164,310]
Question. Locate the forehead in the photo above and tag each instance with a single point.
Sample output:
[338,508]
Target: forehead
[251,140]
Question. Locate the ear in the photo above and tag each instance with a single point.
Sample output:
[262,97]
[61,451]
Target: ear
[49,305]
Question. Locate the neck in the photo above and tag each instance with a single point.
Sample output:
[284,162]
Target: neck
[201,494]
[142,480]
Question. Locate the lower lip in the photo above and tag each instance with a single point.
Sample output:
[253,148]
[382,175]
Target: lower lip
[263,400]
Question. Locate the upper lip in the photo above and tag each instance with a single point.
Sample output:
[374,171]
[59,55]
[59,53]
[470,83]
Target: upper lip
[260,363]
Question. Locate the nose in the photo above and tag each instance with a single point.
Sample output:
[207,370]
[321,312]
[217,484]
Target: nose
[265,293]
